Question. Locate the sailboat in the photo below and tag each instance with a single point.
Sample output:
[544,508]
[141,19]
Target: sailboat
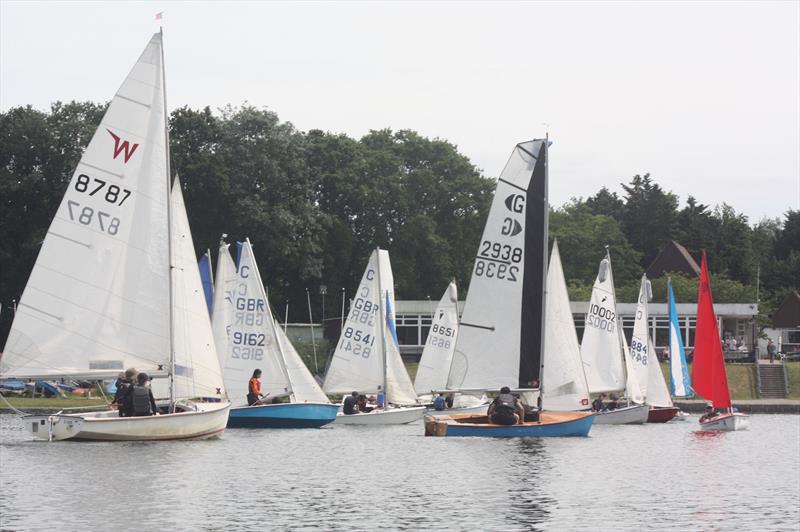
[116,284]
[501,340]
[605,355]
[367,356]
[248,339]
[437,358]
[645,362]
[680,383]
[708,371]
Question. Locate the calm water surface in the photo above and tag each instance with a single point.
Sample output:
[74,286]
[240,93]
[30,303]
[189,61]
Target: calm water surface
[648,477]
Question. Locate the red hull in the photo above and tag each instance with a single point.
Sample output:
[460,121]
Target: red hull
[659,414]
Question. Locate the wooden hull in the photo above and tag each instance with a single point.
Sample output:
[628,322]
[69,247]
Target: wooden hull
[661,414]
[207,421]
[727,422]
[623,416]
[392,416]
[551,424]
[283,415]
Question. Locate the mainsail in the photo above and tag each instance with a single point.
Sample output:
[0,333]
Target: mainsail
[643,354]
[601,347]
[97,300]
[708,371]
[564,384]
[434,365]
[500,335]
[367,357]
[679,371]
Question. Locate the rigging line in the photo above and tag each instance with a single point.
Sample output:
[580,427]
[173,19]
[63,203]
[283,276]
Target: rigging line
[11,407]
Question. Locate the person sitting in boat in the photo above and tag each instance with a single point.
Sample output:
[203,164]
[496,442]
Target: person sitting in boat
[381,400]
[363,406]
[139,400]
[613,404]
[450,399]
[254,394]
[124,382]
[710,413]
[597,404]
[506,409]
[440,403]
[350,405]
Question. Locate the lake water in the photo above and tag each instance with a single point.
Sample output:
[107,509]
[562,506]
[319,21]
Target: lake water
[646,477]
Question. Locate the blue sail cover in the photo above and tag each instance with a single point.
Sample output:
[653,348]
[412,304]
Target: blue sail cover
[207,279]
[390,320]
[679,373]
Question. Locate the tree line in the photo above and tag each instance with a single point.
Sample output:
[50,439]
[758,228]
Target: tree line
[315,204]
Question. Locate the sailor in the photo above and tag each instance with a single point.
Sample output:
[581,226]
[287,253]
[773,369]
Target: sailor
[597,404]
[350,404]
[613,404]
[440,403]
[139,400]
[124,382]
[708,415]
[254,394]
[381,400]
[506,409]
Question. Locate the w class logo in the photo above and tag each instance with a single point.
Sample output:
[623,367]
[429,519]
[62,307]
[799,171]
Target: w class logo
[122,146]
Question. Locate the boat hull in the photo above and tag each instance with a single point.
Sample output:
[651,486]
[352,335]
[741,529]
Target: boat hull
[392,416]
[623,416]
[551,424]
[727,422]
[283,416]
[661,414]
[207,421]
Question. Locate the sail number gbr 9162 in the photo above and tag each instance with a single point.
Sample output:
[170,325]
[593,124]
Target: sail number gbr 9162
[113,195]
[498,261]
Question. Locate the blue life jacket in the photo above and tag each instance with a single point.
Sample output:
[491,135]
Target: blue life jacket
[439,403]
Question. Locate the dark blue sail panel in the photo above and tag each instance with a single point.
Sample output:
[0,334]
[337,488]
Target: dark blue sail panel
[536,228]
[207,279]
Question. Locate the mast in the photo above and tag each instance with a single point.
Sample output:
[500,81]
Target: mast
[382,328]
[169,235]
[545,241]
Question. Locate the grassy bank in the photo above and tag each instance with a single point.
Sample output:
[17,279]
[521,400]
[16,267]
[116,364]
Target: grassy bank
[53,402]
[793,372]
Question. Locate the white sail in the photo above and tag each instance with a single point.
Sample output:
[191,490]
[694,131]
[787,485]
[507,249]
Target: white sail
[632,388]
[359,362]
[97,299]
[253,341]
[643,354]
[434,364]
[197,367]
[304,386]
[564,384]
[224,290]
[601,347]
[492,335]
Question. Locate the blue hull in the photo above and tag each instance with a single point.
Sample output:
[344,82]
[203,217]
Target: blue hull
[574,427]
[283,416]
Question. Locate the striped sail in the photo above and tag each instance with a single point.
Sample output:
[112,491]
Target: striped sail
[500,335]
[680,382]
[97,300]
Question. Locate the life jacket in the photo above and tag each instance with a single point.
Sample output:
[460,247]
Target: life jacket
[506,403]
[141,400]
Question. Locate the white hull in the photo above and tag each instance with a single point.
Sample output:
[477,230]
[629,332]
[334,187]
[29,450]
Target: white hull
[735,421]
[623,416]
[476,409]
[392,416]
[207,421]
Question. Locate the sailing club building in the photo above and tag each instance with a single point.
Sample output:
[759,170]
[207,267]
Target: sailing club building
[736,324]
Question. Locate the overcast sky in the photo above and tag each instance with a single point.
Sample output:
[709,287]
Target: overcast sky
[704,96]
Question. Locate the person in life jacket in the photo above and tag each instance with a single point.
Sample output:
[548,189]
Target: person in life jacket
[254,394]
[440,403]
[506,409]
[124,382]
[139,400]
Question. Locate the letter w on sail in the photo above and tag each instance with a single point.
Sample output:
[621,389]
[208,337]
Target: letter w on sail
[123,146]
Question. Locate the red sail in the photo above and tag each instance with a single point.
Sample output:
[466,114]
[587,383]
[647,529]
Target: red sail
[708,371]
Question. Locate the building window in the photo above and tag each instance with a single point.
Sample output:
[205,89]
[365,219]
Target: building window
[408,329]
[580,324]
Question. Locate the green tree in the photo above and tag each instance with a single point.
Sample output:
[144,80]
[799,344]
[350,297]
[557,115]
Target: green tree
[649,216]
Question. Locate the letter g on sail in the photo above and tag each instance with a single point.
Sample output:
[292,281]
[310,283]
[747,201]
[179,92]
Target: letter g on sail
[515,203]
